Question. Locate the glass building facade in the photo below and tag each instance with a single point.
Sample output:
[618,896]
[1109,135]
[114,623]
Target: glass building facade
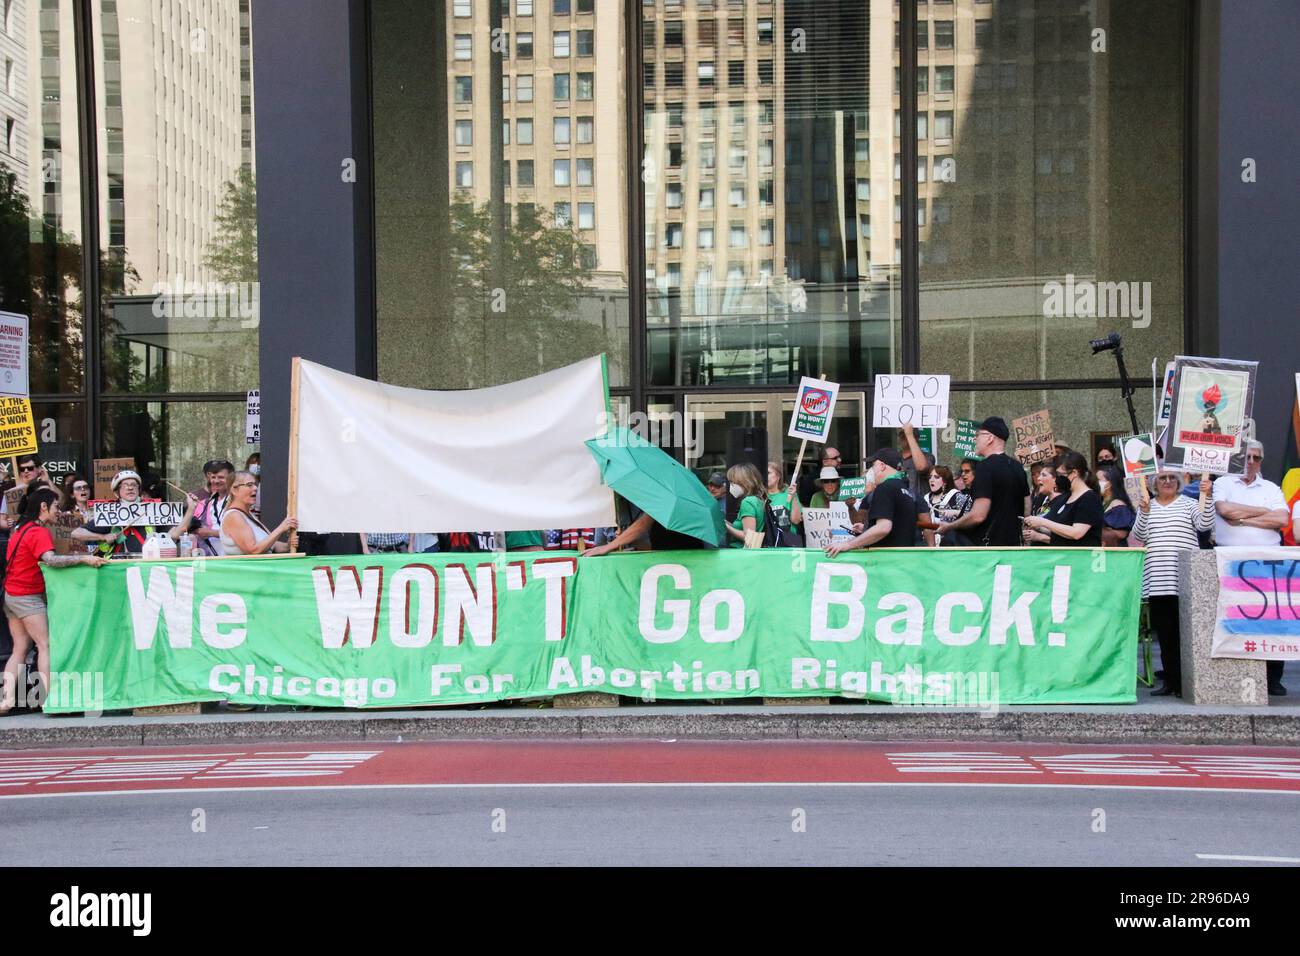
[720,195]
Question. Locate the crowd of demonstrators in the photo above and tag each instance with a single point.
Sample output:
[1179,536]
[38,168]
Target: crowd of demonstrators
[1077,521]
[746,486]
[945,502]
[1168,525]
[1117,506]
[30,546]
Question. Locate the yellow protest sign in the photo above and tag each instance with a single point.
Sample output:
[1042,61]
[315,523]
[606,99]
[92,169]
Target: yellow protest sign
[17,430]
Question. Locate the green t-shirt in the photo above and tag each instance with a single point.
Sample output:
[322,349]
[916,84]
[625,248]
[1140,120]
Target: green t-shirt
[819,500]
[751,507]
[524,539]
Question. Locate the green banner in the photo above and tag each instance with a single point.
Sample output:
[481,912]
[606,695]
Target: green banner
[975,627]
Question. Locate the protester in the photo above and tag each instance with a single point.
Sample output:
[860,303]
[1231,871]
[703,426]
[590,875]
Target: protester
[1079,520]
[645,528]
[945,502]
[1105,456]
[782,498]
[1045,503]
[828,483]
[241,532]
[717,485]
[76,498]
[530,540]
[746,486]
[130,540]
[892,513]
[1000,490]
[206,523]
[911,451]
[964,480]
[253,465]
[1118,507]
[1251,512]
[1169,525]
[31,546]
[809,482]
[376,542]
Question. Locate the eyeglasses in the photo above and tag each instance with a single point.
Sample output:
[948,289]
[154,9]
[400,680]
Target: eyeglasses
[81,486]
[1255,457]
[245,484]
[1167,478]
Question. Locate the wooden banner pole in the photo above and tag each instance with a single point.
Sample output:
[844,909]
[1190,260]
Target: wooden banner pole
[293,449]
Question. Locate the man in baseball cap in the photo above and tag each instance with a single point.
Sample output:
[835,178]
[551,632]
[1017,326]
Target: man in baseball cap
[1000,490]
[892,512]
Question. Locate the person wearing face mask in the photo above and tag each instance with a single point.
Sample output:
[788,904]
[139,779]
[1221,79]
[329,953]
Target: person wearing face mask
[892,512]
[1079,519]
[747,487]
[1119,514]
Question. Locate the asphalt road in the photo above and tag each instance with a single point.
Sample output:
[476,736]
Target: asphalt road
[648,802]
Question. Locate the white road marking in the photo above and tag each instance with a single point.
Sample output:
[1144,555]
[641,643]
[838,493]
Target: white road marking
[1248,859]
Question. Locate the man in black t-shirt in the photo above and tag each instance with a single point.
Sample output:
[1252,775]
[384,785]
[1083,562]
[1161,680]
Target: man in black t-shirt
[892,512]
[1001,492]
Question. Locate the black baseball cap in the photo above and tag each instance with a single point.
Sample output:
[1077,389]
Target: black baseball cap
[717,479]
[995,426]
[889,456]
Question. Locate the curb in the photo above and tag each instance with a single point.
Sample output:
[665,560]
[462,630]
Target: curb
[714,723]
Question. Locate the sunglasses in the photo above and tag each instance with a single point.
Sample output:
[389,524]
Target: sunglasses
[1251,457]
[26,468]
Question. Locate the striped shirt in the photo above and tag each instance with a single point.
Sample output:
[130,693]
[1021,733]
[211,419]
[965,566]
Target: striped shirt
[1168,530]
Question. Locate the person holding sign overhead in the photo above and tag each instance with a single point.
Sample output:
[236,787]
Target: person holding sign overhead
[130,539]
[31,546]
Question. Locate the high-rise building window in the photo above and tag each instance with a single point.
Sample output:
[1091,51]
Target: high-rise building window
[943,79]
[943,124]
[983,34]
[464,89]
[764,30]
[505,132]
[708,115]
[673,73]
[704,238]
[737,114]
[524,87]
[464,132]
[523,8]
[586,42]
[505,172]
[766,112]
[586,86]
[706,197]
[586,172]
[586,215]
[524,172]
[464,175]
[922,126]
[586,129]
[922,34]
[560,44]
[562,172]
[561,87]
[561,8]
[563,214]
[648,34]
[736,30]
[463,46]
[524,46]
[943,34]
[737,238]
[586,6]
[673,33]
[736,72]
[675,113]
[736,197]
[765,72]
[765,230]
[673,235]
[524,131]
[462,8]
[560,130]
[706,30]
[705,71]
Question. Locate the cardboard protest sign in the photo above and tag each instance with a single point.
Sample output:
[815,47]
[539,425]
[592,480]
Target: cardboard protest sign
[12,497]
[814,407]
[13,359]
[17,430]
[1033,436]
[1212,404]
[125,514]
[820,525]
[104,470]
[1139,454]
[964,442]
[919,400]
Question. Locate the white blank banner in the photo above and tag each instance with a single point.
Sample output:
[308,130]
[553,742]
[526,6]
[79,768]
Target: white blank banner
[384,458]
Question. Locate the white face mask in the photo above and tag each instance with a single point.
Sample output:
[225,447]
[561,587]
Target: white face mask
[255,470]
[1104,485]
[737,491]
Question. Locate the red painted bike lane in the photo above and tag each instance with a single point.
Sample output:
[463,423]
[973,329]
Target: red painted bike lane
[646,762]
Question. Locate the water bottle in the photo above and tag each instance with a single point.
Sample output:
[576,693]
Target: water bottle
[187,545]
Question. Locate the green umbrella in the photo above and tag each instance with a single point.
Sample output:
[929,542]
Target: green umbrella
[653,481]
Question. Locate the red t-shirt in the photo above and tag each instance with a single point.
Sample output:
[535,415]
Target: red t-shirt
[26,545]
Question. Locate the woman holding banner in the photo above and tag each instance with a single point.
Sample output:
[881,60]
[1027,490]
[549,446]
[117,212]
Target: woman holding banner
[241,533]
[31,546]
[1169,525]
[130,540]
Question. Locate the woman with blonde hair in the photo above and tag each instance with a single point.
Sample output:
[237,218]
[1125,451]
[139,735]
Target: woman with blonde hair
[746,484]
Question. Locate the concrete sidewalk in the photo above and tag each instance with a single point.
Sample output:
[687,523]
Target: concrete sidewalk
[1151,721]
